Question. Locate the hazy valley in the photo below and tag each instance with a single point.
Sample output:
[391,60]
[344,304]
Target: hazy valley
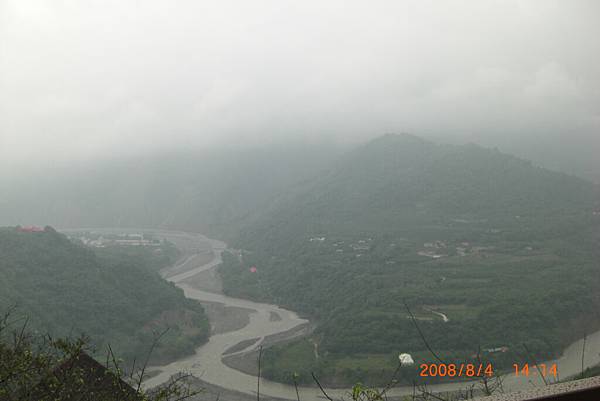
[488,252]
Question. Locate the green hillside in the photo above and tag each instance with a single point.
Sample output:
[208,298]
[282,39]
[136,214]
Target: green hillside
[503,248]
[114,296]
[399,179]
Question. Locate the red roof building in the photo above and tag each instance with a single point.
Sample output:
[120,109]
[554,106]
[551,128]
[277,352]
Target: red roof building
[30,229]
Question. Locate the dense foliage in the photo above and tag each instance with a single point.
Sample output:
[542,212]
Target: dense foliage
[42,368]
[113,297]
[503,248]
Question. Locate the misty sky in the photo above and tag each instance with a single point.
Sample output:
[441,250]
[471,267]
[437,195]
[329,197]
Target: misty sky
[86,78]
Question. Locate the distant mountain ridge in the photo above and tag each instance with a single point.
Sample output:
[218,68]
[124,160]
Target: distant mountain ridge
[212,192]
[403,178]
[221,192]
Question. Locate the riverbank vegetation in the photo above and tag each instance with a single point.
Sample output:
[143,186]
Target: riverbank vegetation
[113,295]
[40,367]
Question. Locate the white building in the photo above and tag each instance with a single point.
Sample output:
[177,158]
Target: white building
[406,359]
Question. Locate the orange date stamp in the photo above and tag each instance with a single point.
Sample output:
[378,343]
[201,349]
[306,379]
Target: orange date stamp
[541,368]
[456,370]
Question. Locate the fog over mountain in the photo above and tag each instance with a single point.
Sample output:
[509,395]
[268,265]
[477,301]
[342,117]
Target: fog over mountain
[84,80]
[299,200]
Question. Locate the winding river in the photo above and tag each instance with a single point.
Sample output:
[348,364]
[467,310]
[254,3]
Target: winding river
[207,363]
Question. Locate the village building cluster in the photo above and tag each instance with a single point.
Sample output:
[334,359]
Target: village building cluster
[102,241]
[435,249]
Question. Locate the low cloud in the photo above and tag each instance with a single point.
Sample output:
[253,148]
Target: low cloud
[88,79]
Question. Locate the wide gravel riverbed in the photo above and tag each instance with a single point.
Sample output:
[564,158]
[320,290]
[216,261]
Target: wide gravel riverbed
[207,362]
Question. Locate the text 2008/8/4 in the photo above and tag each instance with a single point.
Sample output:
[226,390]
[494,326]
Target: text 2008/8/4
[455,370]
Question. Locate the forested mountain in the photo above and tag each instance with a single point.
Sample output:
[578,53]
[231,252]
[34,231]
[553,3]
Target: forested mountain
[212,192]
[502,248]
[399,179]
[219,192]
[115,297]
